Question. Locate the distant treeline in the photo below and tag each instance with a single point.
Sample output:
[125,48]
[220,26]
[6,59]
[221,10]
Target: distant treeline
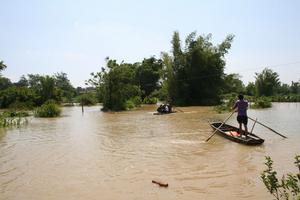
[192,74]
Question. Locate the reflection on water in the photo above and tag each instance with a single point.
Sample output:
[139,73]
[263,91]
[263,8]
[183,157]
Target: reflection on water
[116,155]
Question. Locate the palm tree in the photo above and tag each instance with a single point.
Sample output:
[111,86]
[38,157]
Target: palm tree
[2,65]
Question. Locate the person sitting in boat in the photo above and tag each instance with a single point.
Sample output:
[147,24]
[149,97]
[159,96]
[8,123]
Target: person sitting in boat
[161,108]
[242,118]
[169,108]
[164,108]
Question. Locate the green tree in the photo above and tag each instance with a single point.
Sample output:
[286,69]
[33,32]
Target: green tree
[34,81]
[283,89]
[250,89]
[148,75]
[266,83]
[168,88]
[2,66]
[23,82]
[233,84]
[295,87]
[49,90]
[195,73]
[45,88]
[4,83]
[17,96]
[63,83]
[118,85]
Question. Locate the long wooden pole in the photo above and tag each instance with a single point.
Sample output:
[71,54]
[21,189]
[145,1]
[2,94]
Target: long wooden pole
[268,127]
[220,126]
[253,126]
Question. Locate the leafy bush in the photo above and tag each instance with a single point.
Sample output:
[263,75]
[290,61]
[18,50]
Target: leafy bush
[288,186]
[286,98]
[150,100]
[262,102]
[129,104]
[17,97]
[227,103]
[136,100]
[17,105]
[15,114]
[48,109]
[132,103]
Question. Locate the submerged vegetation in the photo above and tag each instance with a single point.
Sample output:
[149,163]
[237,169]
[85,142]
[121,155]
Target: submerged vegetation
[13,118]
[288,187]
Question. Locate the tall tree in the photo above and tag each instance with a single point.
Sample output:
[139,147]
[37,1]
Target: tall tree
[148,75]
[179,87]
[118,84]
[4,83]
[250,89]
[295,87]
[23,82]
[45,88]
[233,84]
[63,83]
[266,82]
[283,89]
[197,71]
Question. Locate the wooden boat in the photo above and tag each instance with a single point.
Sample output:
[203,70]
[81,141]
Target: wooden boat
[231,133]
[163,113]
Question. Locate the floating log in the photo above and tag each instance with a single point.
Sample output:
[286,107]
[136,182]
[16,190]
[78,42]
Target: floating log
[160,183]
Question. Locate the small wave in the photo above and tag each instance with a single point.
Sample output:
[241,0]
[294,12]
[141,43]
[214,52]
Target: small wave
[186,142]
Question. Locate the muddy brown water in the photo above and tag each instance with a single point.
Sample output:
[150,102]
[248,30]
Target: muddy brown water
[117,155]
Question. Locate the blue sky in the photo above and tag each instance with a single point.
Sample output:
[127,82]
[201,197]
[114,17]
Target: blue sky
[75,36]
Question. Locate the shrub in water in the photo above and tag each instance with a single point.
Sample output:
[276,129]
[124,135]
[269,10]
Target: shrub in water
[132,103]
[150,100]
[227,103]
[262,102]
[88,99]
[136,100]
[48,109]
[129,105]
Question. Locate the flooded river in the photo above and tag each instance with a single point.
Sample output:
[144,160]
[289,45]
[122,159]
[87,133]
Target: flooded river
[115,156]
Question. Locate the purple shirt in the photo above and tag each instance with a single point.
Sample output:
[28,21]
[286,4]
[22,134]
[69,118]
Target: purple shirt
[242,106]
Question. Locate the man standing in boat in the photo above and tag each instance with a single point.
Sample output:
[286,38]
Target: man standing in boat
[242,118]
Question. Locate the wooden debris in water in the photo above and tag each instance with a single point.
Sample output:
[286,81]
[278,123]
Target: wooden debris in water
[161,184]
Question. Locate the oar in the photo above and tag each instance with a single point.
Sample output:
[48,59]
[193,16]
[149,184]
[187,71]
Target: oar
[253,126]
[220,126]
[268,128]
